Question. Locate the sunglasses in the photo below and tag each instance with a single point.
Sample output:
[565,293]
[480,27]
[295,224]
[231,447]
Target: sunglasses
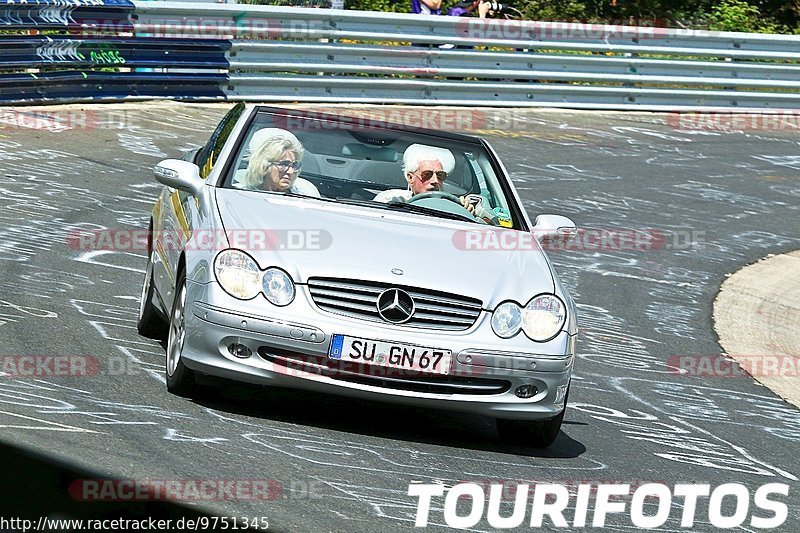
[285,165]
[441,175]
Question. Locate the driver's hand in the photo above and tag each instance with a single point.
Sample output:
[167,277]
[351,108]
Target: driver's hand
[469,206]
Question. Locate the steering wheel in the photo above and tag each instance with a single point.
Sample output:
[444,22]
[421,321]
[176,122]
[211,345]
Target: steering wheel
[482,215]
[435,194]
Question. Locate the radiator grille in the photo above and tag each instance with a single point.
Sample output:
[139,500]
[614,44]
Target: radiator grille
[358,299]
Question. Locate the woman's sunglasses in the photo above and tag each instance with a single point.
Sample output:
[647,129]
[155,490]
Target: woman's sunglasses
[286,164]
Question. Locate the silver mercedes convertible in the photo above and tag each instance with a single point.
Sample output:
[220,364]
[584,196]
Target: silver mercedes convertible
[364,259]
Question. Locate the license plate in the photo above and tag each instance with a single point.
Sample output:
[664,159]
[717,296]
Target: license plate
[390,354]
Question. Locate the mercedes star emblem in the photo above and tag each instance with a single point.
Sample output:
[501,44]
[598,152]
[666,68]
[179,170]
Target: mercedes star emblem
[395,306]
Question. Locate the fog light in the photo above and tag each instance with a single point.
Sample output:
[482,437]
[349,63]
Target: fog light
[526,391]
[239,350]
[561,391]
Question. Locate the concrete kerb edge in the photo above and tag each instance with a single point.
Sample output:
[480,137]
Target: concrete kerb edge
[749,334]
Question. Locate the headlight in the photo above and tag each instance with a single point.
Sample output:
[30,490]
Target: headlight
[507,319]
[238,274]
[543,317]
[278,286]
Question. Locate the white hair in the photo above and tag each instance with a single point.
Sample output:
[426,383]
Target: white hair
[266,146]
[417,153]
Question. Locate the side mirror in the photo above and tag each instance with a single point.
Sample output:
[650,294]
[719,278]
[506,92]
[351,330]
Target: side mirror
[554,228]
[181,175]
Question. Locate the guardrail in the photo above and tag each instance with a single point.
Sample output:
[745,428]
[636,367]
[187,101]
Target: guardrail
[111,49]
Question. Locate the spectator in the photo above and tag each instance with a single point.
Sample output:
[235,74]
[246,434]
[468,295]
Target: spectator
[426,7]
[466,8]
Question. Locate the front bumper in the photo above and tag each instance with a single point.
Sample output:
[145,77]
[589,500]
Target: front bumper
[289,346]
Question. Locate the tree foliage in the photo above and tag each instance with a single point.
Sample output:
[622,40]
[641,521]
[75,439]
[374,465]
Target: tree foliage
[767,16]
[738,15]
[380,5]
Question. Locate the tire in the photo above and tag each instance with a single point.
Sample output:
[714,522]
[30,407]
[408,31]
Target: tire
[537,434]
[149,322]
[180,379]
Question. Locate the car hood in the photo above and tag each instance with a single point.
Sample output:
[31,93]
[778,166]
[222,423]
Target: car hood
[311,238]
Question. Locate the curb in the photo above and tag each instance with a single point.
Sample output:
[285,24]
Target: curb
[757,313]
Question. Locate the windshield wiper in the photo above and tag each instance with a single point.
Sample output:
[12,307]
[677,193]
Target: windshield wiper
[354,201]
[298,195]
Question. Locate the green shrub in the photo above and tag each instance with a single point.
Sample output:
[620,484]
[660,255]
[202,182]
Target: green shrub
[391,6]
[549,10]
[738,15]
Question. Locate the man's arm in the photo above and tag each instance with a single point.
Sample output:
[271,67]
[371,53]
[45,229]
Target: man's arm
[392,195]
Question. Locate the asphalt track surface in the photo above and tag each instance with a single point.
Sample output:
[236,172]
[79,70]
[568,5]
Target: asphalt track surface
[722,199]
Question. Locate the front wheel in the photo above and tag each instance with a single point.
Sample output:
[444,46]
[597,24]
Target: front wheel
[537,434]
[180,379]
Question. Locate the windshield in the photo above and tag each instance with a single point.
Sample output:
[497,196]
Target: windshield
[360,163]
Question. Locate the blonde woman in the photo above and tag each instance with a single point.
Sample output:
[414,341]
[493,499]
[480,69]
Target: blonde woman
[276,156]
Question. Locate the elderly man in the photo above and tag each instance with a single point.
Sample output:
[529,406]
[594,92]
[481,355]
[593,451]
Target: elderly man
[426,168]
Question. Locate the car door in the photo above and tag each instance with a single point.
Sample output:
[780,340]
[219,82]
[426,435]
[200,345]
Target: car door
[178,213]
